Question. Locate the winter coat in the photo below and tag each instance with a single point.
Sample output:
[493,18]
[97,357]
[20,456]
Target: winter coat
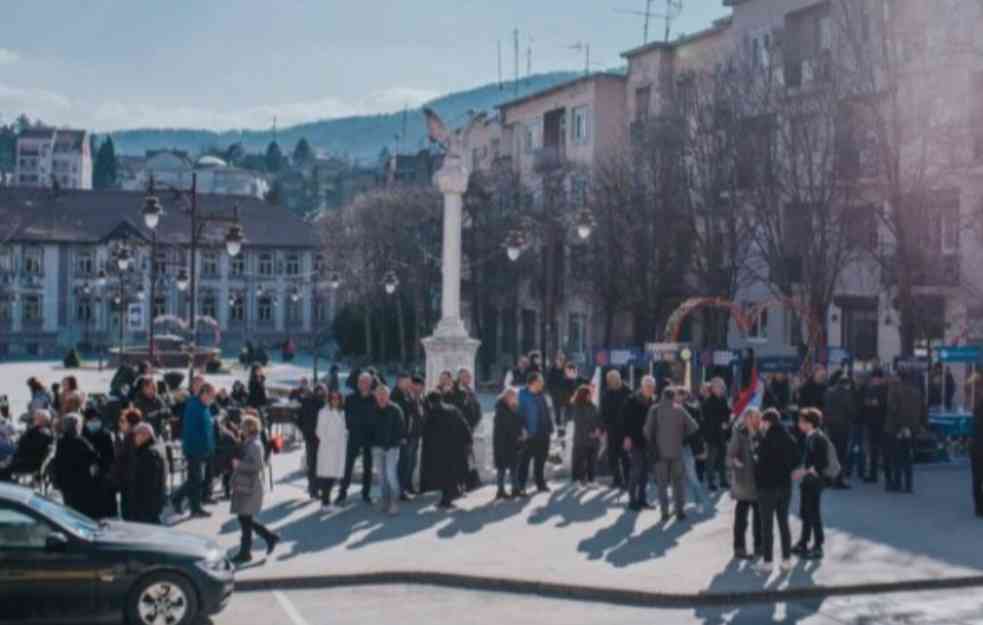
[534,413]
[247,479]
[360,417]
[256,397]
[667,426]
[307,416]
[741,449]
[197,430]
[874,406]
[146,498]
[840,408]
[612,402]
[777,456]
[446,447]
[153,409]
[634,414]
[389,427]
[585,422]
[904,409]
[467,402]
[812,395]
[33,449]
[716,415]
[505,436]
[76,473]
[332,437]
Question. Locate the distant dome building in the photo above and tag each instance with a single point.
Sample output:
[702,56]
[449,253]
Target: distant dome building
[174,169]
[210,162]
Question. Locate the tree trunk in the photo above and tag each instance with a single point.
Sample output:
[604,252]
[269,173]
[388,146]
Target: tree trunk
[401,330]
[367,312]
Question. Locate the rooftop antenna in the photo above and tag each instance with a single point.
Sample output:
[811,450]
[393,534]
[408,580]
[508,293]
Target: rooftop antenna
[500,85]
[529,58]
[673,10]
[515,41]
[585,48]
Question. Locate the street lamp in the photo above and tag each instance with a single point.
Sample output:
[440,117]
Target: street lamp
[233,240]
[334,280]
[182,280]
[585,224]
[152,209]
[123,258]
[514,242]
[390,281]
[101,278]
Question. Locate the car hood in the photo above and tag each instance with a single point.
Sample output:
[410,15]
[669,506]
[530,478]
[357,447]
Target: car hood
[141,537]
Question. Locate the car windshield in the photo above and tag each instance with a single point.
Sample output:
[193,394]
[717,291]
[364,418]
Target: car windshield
[75,522]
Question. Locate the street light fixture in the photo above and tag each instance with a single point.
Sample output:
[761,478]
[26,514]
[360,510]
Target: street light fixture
[123,258]
[182,280]
[585,224]
[152,211]
[101,278]
[390,281]
[233,240]
[334,280]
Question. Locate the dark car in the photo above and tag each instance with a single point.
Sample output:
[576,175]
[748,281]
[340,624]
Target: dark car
[58,566]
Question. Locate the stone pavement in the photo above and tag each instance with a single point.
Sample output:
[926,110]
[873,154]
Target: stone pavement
[584,543]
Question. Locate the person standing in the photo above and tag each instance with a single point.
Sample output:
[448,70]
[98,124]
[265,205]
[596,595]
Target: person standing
[33,447]
[311,402]
[613,399]
[874,415]
[104,506]
[151,406]
[147,493]
[811,476]
[467,399]
[390,434]
[634,414]
[743,488]
[904,420]
[256,389]
[505,441]
[76,467]
[716,428]
[976,448]
[247,491]
[839,416]
[776,458]
[198,445]
[694,449]
[405,397]
[812,394]
[586,432]
[331,434]
[537,428]
[360,412]
[446,441]
[667,427]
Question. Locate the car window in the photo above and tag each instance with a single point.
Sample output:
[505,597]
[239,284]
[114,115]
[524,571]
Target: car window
[19,530]
[75,522]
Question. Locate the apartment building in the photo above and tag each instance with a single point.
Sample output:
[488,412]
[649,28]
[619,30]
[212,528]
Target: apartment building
[50,156]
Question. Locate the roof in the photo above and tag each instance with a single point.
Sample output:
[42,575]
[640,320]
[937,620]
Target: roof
[718,26]
[77,216]
[37,133]
[560,87]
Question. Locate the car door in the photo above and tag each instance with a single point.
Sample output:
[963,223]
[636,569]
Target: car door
[45,574]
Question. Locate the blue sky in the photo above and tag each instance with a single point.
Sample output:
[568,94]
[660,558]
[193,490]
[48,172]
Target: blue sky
[110,64]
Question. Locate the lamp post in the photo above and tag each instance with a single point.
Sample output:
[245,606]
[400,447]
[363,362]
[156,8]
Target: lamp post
[122,260]
[152,212]
[334,283]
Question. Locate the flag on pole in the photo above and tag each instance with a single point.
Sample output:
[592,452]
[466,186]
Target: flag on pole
[751,396]
[595,387]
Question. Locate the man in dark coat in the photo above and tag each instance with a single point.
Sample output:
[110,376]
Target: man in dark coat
[360,410]
[813,393]
[716,430]
[466,399]
[446,441]
[76,467]
[311,402]
[405,396]
[505,441]
[615,394]
[33,447]
[873,410]
[151,406]
[839,416]
[102,441]
[147,496]
[634,413]
[537,429]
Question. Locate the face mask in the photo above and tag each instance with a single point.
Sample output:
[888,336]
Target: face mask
[93,426]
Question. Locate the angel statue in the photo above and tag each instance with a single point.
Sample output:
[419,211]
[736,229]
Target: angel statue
[455,142]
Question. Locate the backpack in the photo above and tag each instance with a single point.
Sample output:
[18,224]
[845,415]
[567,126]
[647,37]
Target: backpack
[833,467]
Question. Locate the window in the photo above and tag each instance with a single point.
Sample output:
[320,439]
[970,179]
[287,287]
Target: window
[318,263]
[322,311]
[581,124]
[264,312]
[32,309]
[761,50]
[237,311]
[19,530]
[6,261]
[266,264]
[237,266]
[83,310]
[793,328]
[295,311]
[528,330]
[209,265]
[643,101]
[209,307]
[862,230]
[161,263]
[797,227]
[33,260]
[759,324]
[160,306]
[808,45]
[860,323]
[533,136]
[755,151]
[293,264]
[5,315]
[576,334]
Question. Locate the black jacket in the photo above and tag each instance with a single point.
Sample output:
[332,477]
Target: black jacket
[310,405]
[32,449]
[360,417]
[102,442]
[612,403]
[815,456]
[446,447]
[412,412]
[812,395]
[147,493]
[389,427]
[873,406]
[153,409]
[777,455]
[716,415]
[467,402]
[633,414]
[505,435]
[76,466]
[840,408]
[257,393]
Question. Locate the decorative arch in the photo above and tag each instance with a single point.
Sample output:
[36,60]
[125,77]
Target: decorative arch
[675,323]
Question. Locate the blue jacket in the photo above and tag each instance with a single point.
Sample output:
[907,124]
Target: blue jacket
[534,414]
[197,430]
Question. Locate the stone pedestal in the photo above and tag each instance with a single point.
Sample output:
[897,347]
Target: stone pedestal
[450,348]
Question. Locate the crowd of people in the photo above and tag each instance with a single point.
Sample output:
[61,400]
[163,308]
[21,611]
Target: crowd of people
[107,460]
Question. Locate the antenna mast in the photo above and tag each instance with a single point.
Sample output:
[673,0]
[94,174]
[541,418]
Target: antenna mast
[515,41]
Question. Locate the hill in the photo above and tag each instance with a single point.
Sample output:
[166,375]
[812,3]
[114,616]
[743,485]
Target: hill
[361,137]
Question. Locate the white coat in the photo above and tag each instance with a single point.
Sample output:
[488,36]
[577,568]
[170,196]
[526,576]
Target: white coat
[332,435]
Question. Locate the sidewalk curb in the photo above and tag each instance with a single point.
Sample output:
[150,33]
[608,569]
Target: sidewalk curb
[597,594]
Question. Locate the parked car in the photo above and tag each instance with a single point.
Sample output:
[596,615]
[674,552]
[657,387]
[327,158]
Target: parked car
[58,566]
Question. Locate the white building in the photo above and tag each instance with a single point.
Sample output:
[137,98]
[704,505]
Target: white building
[174,169]
[48,155]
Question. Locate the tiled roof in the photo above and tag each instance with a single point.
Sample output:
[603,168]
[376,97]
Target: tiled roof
[75,216]
[560,87]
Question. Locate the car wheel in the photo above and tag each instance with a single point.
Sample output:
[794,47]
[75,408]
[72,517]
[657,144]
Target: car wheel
[162,599]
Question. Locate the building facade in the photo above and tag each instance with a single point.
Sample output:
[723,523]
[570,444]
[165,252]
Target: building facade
[55,243]
[175,169]
[49,156]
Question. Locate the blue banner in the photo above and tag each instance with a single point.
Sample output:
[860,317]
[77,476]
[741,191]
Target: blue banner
[959,353]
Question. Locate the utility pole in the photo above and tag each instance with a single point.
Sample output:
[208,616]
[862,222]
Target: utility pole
[648,19]
[515,41]
[500,86]
[529,58]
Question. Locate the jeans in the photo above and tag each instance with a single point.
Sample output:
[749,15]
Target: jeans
[535,450]
[716,469]
[618,459]
[810,509]
[388,460]
[671,471]
[247,524]
[407,463]
[584,462]
[902,469]
[351,453]
[193,486]
[693,479]
[875,447]
[310,455]
[639,477]
[855,451]
[513,479]
[773,504]
[744,510]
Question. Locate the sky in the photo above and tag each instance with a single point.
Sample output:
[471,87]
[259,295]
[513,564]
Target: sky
[227,64]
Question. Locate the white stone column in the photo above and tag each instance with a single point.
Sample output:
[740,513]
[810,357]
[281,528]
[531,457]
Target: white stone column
[450,347]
